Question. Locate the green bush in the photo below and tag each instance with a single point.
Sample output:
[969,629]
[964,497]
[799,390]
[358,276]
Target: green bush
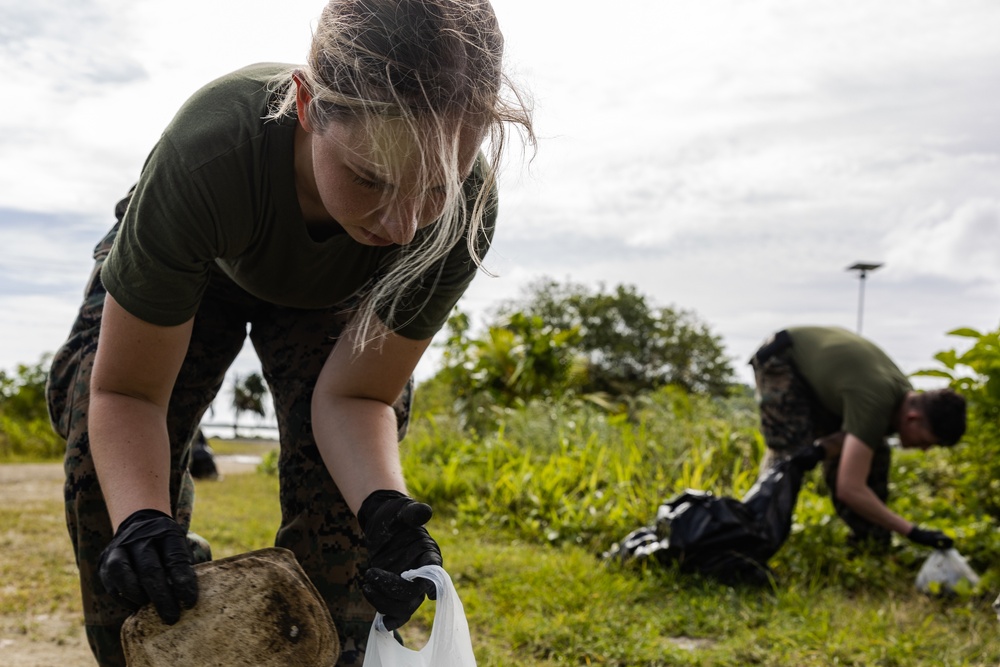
[562,341]
[25,432]
[32,440]
[975,373]
[269,463]
[571,472]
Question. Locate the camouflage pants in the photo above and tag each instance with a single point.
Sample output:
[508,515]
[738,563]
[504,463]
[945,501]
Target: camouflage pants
[316,523]
[792,417]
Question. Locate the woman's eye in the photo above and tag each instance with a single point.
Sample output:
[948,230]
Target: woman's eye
[366,183]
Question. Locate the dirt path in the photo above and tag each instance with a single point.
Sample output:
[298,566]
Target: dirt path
[42,639]
[53,639]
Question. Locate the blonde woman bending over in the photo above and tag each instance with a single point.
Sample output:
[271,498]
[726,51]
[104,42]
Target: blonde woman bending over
[337,210]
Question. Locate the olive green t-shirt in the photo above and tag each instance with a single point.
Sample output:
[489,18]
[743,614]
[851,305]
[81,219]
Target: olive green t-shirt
[217,193]
[852,377]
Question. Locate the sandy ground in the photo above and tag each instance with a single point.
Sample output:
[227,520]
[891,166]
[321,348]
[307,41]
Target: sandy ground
[57,640]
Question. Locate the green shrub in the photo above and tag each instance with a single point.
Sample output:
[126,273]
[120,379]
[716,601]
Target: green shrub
[25,432]
[569,471]
[32,440]
[975,373]
[269,463]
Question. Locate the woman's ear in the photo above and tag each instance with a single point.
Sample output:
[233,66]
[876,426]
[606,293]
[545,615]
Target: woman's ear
[302,99]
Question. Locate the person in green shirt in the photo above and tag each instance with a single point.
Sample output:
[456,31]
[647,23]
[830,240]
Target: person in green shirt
[830,389]
[333,212]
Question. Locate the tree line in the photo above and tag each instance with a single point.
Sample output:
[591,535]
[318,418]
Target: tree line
[566,341]
[562,342]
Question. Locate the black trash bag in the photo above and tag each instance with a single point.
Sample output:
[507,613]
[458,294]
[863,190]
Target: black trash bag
[714,535]
[728,539]
[202,458]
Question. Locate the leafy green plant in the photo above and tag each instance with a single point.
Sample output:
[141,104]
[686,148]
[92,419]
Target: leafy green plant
[269,463]
[568,471]
[518,360]
[630,346]
[32,440]
[567,343]
[22,394]
[25,431]
[975,373]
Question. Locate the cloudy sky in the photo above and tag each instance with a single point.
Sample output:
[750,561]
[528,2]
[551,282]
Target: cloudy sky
[723,156]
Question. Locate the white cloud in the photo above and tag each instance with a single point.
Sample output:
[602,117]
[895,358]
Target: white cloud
[724,156]
[75,46]
[98,80]
[34,325]
[961,243]
[804,130]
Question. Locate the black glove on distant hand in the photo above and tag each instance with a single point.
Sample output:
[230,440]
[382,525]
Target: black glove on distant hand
[149,560]
[397,541]
[930,538]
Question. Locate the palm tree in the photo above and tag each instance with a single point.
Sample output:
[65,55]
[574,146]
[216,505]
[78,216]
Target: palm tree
[248,396]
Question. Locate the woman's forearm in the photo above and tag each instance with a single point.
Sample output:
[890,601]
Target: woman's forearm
[131,451]
[134,372]
[357,438]
[354,422]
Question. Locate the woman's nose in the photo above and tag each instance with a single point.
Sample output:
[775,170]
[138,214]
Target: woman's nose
[400,222]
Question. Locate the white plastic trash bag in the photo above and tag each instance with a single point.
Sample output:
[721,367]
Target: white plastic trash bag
[943,570]
[449,645]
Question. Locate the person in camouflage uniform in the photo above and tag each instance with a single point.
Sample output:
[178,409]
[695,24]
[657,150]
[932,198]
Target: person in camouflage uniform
[828,388]
[283,340]
[339,209]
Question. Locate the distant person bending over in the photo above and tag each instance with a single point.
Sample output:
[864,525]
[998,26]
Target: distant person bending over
[828,387]
[202,458]
[339,210]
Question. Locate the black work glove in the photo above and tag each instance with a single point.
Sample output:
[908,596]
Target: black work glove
[930,538]
[397,541]
[149,560]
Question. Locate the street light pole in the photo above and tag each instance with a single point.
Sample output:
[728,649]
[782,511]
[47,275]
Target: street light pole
[863,268]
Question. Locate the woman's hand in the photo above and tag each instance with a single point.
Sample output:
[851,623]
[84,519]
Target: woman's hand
[149,560]
[393,524]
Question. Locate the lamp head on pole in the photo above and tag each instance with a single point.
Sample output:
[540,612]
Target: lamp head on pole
[864,267]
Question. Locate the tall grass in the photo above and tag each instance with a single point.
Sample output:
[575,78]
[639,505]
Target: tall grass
[570,473]
[574,473]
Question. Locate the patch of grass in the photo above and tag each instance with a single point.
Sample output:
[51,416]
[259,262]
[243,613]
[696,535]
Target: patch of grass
[546,604]
[238,514]
[241,447]
[39,587]
[534,604]
[522,513]
[37,569]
